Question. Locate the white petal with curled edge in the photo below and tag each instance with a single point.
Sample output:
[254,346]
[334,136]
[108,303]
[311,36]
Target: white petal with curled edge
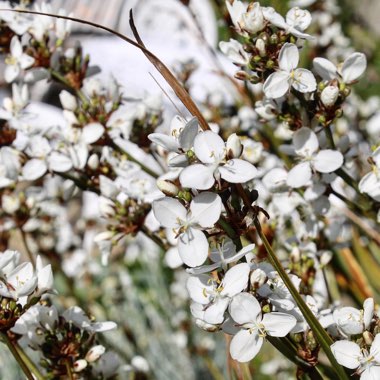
[278,324]
[299,176]
[59,162]
[324,68]
[235,280]
[245,345]
[34,169]
[200,288]
[276,85]
[370,184]
[275,180]
[305,142]
[214,313]
[347,353]
[234,51]
[298,18]
[197,176]
[193,247]
[169,212]
[327,161]
[167,142]
[238,171]
[244,308]
[209,147]
[92,132]
[274,18]
[304,81]
[289,57]
[353,67]
[187,136]
[236,11]
[205,209]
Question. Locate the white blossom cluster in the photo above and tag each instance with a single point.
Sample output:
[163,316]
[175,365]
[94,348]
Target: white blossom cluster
[300,147]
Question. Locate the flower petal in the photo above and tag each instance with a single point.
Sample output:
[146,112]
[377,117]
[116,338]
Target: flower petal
[304,81]
[347,353]
[299,176]
[276,85]
[235,280]
[238,171]
[205,209]
[353,67]
[34,169]
[278,324]
[305,142]
[289,57]
[324,68]
[193,247]
[244,308]
[169,212]
[245,345]
[327,161]
[209,147]
[197,176]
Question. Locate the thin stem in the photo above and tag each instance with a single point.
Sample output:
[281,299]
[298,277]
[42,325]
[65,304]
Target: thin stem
[17,356]
[34,369]
[68,369]
[27,248]
[323,338]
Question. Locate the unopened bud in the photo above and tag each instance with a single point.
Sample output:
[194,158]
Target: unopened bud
[311,342]
[167,187]
[80,365]
[339,113]
[325,258]
[93,162]
[270,64]
[206,326]
[266,309]
[185,195]
[260,46]
[258,278]
[273,40]
[140,364]
[95,353]
[68,101]
[368,338]
[10,203]
[329,96]
[242,75]
[234,146]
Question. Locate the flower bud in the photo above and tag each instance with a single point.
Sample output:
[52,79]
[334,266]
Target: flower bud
[329,96]
[260,46]
[95,353]
[80,365]
[93,161]
[68,100]
[242,75]
[206,326]
[140,364]
[368,338]
[258,278]
[234,146]
[167,187]
[10,203]
[325,258]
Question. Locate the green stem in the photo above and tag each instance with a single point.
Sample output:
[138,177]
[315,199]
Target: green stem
[230,232]
[34,369]
[323,338]
[16,355]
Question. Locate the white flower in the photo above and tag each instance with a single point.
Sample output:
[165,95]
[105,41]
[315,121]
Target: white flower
[235,52]
[16,61]
[211,150]
[252,21]
[215,297]
[279,82]
[351,321]
[245,310]
[204,212]
[351,69]
[297,20]
[13,107]
[370,183]
[351,355]
[306,145]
